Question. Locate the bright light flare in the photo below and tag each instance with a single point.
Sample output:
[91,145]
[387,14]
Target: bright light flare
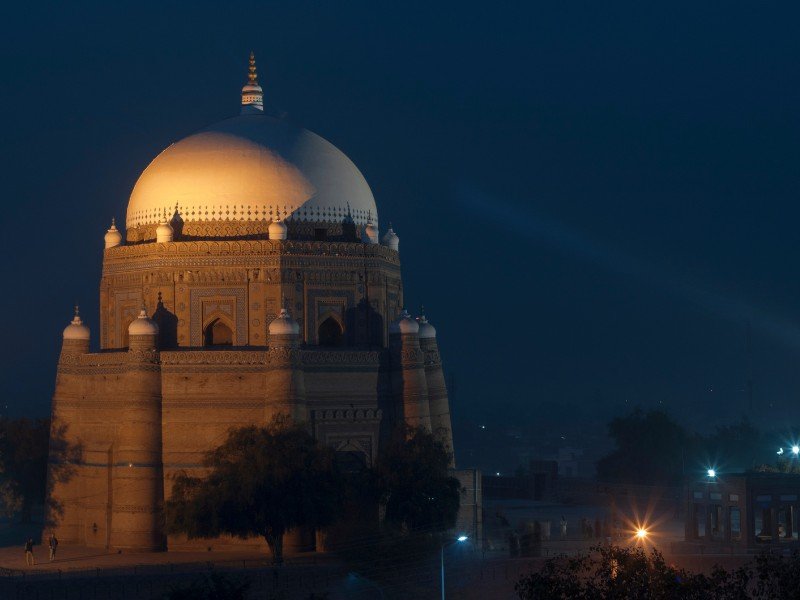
[641,533]
[795,450]
[462,538]
[712,473]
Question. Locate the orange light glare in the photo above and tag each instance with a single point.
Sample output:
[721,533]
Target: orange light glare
[641,533]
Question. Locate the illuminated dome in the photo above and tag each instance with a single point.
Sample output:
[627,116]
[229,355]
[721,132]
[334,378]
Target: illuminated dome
[252,167]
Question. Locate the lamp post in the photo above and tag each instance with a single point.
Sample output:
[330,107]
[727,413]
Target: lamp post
[459,539]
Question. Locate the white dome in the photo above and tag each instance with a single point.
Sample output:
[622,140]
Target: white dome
[371,233]
[284,324]
[113,236]
[426,330]
[164,232]
[404,324]
[390,240]
[143,325]
[76,330]
[278,230]
[251,167]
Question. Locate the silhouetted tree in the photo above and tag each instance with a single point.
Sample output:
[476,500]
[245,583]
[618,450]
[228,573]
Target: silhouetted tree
[23,460]
[263,481]
[414,484]
[611,572]
[651,448]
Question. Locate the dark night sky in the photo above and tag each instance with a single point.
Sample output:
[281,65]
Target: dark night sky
[592,198]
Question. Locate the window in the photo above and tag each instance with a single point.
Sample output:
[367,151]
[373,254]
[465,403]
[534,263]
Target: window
[320,235]
[763,524]
[217,333]
[716,521]
[735,523]
[330,333]
[699,521]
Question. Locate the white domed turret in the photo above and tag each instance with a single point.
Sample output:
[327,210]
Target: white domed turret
[113,236]
[390,239]
[76,330]
[252,94]
[278,230]
[164,231]
[284,324]
[143,325]
[370,232]
[404,324]
[426,330]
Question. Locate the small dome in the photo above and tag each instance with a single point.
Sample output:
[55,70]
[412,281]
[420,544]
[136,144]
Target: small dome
[404,324]
[143,325]
[76,330]
[113,236]
[371,232]
[164,232]
[391,240]
[426,330]
[284,324]
[277,230]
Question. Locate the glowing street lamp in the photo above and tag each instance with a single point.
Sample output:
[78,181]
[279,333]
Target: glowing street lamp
[795,450]
[460,539]
[712,473]
[641,534]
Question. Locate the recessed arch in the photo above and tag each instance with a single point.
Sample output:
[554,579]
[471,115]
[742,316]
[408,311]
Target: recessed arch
[218,333]
[330,332]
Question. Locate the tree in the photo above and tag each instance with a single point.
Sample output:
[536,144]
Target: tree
[413,482]
[263,481]
[23,458]
[651,448]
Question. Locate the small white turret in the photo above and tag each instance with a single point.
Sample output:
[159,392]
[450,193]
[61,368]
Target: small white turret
[404,324]
[252,94]
[76,330]
[164,231]
[278,230]
[426,330]
[370,232]
[284,324]
[113,236]
[390,239]
[143,325]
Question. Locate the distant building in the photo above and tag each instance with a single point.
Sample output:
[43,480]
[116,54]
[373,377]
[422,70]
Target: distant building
[742,511]
[251,281]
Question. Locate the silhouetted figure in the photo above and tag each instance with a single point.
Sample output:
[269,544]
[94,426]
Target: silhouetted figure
[563,528]
[53,543]
[29,559]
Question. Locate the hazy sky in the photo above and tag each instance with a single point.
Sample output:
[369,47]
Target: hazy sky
[592,198]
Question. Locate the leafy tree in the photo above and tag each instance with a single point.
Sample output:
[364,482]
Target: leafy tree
[414,484]
[611,572]
[23,458]
[263,481]
[651,448]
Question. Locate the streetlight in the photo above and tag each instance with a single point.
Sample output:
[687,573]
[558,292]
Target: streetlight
[712,473]
[641,533]
[795,450]
[459,539]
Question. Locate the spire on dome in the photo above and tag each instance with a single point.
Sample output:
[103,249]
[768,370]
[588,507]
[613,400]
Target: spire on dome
[252,77]
[252,94]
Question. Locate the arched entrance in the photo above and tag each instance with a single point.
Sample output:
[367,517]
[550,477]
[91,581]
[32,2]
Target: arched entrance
[218,333]
[330,333]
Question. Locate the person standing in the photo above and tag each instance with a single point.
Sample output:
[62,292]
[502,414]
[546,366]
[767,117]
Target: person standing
[53,543]
[29,560]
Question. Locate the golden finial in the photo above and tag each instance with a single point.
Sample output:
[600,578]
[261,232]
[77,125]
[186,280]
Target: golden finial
[252,77]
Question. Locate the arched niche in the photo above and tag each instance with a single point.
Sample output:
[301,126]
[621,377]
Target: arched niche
[330,332]
[218,333]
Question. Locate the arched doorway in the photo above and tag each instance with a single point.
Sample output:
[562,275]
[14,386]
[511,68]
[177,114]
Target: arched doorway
[218,333]
[330,333]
